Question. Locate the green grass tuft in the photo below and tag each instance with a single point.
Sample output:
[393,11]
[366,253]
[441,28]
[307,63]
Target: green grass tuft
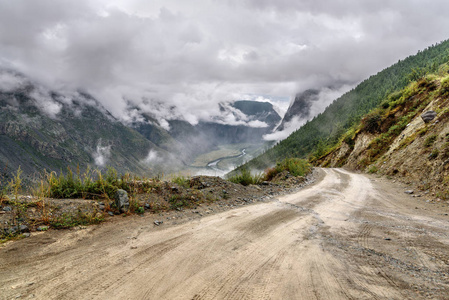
[246,178]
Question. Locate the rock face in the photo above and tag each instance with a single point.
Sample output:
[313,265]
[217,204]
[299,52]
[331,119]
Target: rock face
[122,200]
[428,116]
[300,108]
[416,152]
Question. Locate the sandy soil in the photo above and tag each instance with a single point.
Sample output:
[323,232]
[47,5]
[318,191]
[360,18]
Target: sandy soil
[347,236]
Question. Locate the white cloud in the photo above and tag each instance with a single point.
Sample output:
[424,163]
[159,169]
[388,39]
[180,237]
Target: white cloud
[10,82]
[325,97]
[101,154]
[45,102]
[195,54]
[153,157]
[289,128]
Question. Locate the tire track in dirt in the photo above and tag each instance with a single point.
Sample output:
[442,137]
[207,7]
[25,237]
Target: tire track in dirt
[323,242]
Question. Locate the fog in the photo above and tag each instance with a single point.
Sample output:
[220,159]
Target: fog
[181,59]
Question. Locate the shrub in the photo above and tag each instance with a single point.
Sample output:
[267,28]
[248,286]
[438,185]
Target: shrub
[379,145]
[434,154]
[296,166]
[395,96]
[430,140]
[349,140]
[444,87]
[423,131]
[385,104]
[373,169]
[407,141]
[181,181]
[445,150]
[245,177]
[270,173]
[91,184]
[371,123]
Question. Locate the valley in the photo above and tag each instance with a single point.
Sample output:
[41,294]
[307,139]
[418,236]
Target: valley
[225,159]
[224,150]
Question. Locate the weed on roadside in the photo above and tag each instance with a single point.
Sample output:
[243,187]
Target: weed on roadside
[71,220]
[246,178]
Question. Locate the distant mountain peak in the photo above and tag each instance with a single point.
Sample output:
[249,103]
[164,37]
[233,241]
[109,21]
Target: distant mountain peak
[300,107]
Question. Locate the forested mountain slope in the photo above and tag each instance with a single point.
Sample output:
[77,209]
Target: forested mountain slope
[325,130]
[406,136]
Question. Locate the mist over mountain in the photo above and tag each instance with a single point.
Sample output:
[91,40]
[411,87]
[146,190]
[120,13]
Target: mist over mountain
[193,57]
[240,121]
[41,129]
[322,132]
[304,106]
[300,108]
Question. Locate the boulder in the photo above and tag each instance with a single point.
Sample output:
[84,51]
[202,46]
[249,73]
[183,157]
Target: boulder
[122,200]
[428,116]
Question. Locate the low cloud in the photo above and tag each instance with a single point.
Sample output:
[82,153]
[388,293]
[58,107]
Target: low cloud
[194,56]
[289,128]
[318,104]
[10,81]
[102,154]
[153,157]
[45,102]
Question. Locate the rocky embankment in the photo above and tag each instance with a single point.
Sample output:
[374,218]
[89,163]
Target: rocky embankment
[166,201]
[406,139]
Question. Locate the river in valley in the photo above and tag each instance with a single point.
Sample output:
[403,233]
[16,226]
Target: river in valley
[214,164]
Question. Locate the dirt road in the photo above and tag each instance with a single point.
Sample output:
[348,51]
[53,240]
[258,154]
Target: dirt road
[347,236]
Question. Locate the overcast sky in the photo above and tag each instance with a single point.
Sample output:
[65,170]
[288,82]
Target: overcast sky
[193,54]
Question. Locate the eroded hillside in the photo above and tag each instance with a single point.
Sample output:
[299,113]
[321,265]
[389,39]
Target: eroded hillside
[396,140]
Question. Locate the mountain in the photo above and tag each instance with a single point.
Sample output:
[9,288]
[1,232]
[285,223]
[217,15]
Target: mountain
[300,107]
[251,120]
[183,140]
[41,129]
[406,137]
[326,129]
[44,130]
[258,111]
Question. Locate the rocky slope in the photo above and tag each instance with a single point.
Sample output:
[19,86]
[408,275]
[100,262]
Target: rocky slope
[195,197]
[44,130]
[406,138]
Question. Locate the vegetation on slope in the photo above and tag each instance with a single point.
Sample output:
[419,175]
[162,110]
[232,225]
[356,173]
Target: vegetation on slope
[65,200]
[292,166]
[325,130]
[393,139]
